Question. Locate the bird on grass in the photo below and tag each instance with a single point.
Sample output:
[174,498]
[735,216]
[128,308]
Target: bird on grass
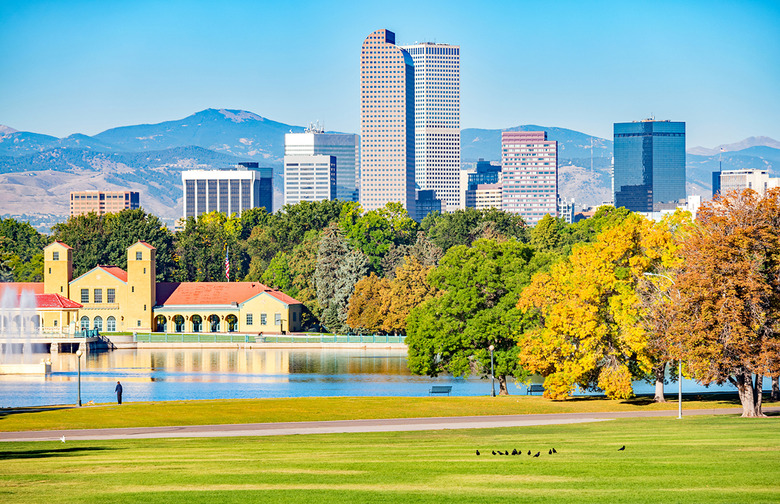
[494,452]
[529,452]
[506,452]
[554,450]
[537,454]
[549,452]
[622,448]
[477,452]
[514,451]
[62,438]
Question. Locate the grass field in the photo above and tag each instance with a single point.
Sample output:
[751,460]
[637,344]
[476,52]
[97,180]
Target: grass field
[151,414]
[698,459]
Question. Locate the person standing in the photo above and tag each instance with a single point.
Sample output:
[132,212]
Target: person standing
[118,391]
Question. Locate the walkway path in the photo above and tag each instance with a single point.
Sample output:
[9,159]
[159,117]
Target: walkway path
[344,426]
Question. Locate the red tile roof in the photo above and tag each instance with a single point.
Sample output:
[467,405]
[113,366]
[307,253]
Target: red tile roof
[214,293]
[146,245]
[115,271]
[60,243]
[18,287]
[55,301]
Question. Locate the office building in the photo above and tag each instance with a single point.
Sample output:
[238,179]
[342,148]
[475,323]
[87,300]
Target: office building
[437,119]
[484,172]
[484,196]
[566,210]
[309,178]
[529,174]
[228,190]
[344,147]
[426,203]
[649,169]
[102,202]
[387,123]
[739,180]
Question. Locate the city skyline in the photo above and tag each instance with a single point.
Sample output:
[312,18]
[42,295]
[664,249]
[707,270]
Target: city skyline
[83,67]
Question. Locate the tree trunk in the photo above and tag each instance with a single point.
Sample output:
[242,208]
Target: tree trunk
[502,390]
[775,388]
[749,394]
[660,374]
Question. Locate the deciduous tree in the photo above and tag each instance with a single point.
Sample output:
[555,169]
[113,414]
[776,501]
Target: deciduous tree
[729,288]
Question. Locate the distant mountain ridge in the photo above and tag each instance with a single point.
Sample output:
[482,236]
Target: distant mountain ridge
[150,157]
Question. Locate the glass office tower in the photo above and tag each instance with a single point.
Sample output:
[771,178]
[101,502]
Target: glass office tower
[649,173]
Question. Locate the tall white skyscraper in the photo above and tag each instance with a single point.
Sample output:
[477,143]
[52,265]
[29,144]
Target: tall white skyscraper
[529,171]
[386,123]
[344,147]
[437,120]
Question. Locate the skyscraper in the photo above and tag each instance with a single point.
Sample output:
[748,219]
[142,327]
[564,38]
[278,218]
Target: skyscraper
[649,172]
[437,119]
[315,142]
[230,190]
[387,123]
[309,178]
[529,169]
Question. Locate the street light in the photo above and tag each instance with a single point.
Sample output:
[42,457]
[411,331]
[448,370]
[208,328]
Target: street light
[679,360]
[492,376]
[79,353]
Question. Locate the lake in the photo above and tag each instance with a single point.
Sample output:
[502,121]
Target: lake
[186,374]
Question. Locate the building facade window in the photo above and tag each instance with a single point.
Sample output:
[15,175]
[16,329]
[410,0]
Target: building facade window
[110,295]
[55,256]
[98,295]
[139,256]
[84,296]
[110,324]
[84,323]
[263,319]
[277,319]
[249,319]
[97,323]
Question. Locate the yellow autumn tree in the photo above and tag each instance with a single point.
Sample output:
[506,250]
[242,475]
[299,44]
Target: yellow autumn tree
[588,312]
[369,304]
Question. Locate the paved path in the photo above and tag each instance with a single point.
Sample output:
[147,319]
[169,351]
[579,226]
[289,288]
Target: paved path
[342,426]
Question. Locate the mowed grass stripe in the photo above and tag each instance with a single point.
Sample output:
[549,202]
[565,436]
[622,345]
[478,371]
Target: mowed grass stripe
[304,409]
[698,459]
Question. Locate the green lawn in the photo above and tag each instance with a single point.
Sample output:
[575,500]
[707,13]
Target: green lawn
[150,414]
[697,459]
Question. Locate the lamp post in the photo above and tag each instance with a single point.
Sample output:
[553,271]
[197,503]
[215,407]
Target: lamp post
[679,360]
[492,376]
[79,353]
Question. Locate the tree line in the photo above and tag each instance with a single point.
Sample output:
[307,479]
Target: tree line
[593,305]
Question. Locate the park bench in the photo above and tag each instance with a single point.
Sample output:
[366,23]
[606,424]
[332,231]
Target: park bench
[535,388]
[440,389]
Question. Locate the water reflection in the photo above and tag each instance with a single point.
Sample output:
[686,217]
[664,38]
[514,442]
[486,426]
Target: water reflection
[172,374]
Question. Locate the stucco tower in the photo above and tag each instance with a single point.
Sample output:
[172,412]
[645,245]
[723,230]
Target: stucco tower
[141,286]
[57,268]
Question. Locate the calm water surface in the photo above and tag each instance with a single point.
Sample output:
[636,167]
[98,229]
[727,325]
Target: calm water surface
[171,374]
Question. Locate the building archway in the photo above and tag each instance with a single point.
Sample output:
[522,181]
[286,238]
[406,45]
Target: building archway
[178,322]
[160,323]
[111,324]
[214,323]
[232,323]
[197,323]
[84,323]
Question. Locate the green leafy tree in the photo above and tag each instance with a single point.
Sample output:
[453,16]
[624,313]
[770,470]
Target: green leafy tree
[375,232]
[478,287]
[463,227]
[202,246]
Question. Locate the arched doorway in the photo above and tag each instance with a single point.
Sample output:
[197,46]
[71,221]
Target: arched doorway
[97,323]
[161,323]
[197,323]
[232,323]
[214,323]
[84,323]
[111,324]
[178,321]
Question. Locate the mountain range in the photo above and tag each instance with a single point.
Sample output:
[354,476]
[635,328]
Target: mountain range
[149,158]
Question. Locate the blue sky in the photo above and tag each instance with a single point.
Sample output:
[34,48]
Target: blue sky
[85,66]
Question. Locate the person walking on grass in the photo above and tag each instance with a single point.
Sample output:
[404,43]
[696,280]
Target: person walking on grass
[118,391]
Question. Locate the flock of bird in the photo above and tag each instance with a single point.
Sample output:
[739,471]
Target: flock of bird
[551,451]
